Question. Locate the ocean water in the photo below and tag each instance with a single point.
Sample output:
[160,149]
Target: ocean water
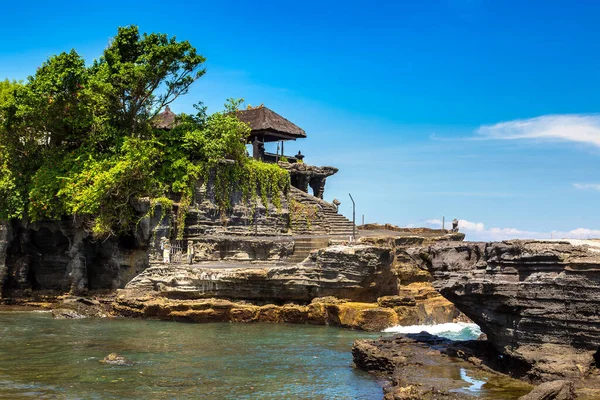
[43,358]
[453,331]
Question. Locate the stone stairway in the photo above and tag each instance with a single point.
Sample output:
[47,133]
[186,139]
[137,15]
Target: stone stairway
[338,224]
[327,220]
[303,246]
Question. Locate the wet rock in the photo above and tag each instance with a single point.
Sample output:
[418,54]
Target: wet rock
[61,313]
[79,307]
[376,319]
[554,390]
[363,316]
[417,369]
[115,359]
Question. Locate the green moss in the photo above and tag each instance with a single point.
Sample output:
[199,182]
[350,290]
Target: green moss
[300,212]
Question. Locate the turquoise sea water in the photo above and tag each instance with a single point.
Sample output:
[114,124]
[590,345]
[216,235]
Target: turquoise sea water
[43,358]
[451,330]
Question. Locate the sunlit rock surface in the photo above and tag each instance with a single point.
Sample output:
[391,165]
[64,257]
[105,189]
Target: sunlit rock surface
[537,301]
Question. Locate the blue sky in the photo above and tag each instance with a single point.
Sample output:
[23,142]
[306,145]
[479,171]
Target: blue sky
[471,109]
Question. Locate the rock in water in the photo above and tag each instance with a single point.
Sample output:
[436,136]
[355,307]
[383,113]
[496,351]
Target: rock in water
[537,301]
[79,307]
[417,370]
[555,390]
[62,313]
[115,359]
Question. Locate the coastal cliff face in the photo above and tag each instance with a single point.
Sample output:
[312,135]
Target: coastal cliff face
[537,301]
[246,257]
[357,273]
[371,285]
[64,256]
[61,256]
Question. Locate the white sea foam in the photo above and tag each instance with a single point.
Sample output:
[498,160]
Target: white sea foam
[454,331]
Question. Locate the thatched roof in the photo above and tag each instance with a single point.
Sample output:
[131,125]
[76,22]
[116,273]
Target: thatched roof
[164,120]
[264,121]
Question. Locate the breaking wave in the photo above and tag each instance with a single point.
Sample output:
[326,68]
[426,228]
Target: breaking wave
[453,331]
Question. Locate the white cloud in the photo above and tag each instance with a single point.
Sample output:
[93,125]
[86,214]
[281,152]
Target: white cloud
[580,128]
[476,231]
[587,186]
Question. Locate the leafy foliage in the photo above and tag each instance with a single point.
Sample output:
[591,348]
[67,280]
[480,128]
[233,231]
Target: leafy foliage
[145,73]
[78,140]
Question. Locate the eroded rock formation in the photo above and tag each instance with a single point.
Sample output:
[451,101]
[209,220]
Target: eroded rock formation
[358,273]
[370,286]
[419,369]
[537,301]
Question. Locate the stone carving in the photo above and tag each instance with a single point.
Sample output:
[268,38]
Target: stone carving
[336,204]
[303,175]
[190,252]
[165,246]
[454,225]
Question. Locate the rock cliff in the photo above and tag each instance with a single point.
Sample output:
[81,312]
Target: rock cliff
[357,273]
[537,301]
[370,285]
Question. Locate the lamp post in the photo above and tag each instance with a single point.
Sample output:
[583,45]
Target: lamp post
[353,218]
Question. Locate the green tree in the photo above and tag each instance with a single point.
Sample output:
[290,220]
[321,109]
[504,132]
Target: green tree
[52,105]
[78,140]
[146,73]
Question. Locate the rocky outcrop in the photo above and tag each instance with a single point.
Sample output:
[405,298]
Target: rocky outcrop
[537,301]
[321,311]
[418,369]
[554,390]
[303,175]
[69,307]
[349,286]
[400,241]
[235,248]
[358,273]
[62,256]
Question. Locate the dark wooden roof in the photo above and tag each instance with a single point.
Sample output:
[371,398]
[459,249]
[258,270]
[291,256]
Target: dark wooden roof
[264,121]
[164,120]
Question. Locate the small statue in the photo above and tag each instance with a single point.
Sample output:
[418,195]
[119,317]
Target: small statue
[190,252]
[165,246]
[336,203]
[454,225]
